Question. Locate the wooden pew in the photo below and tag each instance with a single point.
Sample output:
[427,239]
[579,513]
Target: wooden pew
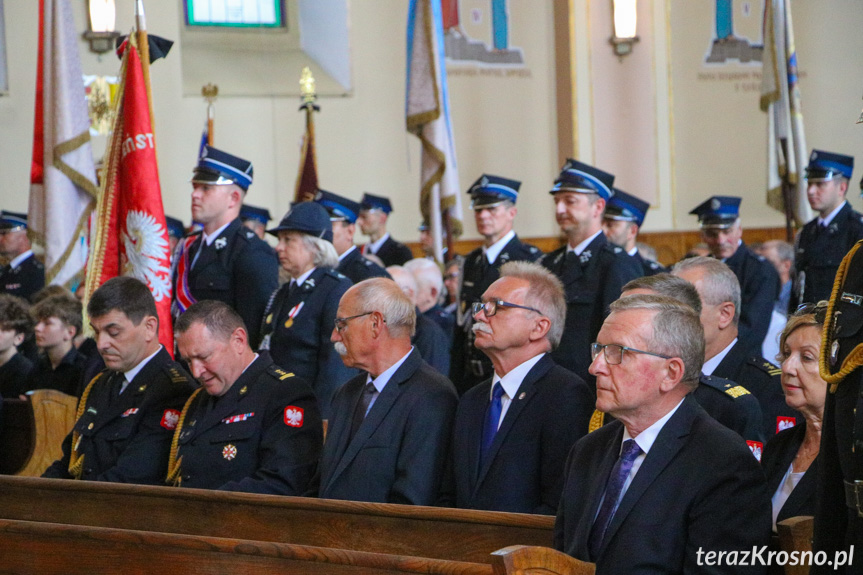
[32,431]
[449,534]
[16,435]
[58,549]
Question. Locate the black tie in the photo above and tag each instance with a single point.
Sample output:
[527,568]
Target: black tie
[362,407]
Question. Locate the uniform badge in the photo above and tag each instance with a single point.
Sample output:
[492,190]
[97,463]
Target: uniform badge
[310,283]
[244,389]
[229,452]
[221,243]
[169,419]
[294,416]
[130,411]
[269,319]
[783,423]
[239,417]
[522,395]
[289,322]
[142,388]
[293,313]
[755,447]
[834,352]
[715,204]
[585,256]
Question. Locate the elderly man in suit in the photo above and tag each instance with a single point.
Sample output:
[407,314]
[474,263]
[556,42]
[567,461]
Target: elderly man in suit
[665,485]
[513,431]
[389,427]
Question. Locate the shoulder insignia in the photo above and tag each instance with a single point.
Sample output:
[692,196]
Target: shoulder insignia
[249,234]
[597,420]
[765,366]
[279,373]
[533,249]
[737,391]
[366,262]
[175,375]
[653,265]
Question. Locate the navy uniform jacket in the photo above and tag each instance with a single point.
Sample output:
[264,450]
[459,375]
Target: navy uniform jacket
[592,282]
[469,365]
[126,438]
[301,344]
[394,253]
[819,253]
[239,269]
[649,267]
[733,406]
[762,379]
[432,344]
[399,451]
[778,455]
[523,472]
[263,436]
[698,488]
[759,288]
[444,319]
[25,280]
[357,268]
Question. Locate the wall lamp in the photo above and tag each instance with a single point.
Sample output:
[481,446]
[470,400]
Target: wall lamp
[625,17]
[101,34]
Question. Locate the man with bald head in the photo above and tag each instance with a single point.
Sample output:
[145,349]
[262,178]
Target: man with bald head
[389,426]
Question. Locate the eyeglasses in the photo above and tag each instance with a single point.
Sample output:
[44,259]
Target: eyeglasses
[614,353]
[819,310]
[342,322]
[490,307]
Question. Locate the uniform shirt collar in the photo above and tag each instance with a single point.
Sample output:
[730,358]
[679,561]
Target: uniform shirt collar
[633,251]
[302,279]
[583,245]
[375,246]
[380,382]
[826,221]
[18,260]
[347,251]
[130,375]
[212,237]
[491,252]
[711,364]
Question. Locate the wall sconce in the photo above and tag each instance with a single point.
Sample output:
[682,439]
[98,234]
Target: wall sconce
[625,17]
[101,34]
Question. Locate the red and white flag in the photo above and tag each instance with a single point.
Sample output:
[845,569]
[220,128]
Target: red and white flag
[131,234]
[63,185]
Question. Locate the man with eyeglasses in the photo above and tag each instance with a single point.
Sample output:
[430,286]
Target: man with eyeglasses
[592,269]
[513,431]
[23,275]
[389,427]
[665,487]
[493,201]
[823,242]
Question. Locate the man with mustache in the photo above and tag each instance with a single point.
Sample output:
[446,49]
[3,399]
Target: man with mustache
[127,413]
[389,427]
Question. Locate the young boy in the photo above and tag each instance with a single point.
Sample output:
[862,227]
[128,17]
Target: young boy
[15,325]
[60,365]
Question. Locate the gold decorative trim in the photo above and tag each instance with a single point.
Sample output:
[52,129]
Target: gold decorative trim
[173,477]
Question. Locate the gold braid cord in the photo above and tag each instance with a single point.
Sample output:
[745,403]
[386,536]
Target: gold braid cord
[173,477]
[853,359]
[596,421]
[76,460]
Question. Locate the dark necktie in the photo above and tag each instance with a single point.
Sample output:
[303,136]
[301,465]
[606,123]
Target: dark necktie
[118,384]
[362,407]
[492,420]
[618,476]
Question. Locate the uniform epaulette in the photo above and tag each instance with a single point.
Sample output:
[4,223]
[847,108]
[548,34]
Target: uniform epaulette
[613,248]
[174,374]
[532,249]
[367,262]
[765,366]
[653,265]
[278,372]
[726,386]
[334,274]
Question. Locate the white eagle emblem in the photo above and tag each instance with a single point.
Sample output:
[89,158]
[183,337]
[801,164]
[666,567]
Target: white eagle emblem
[294,416]
[146,245]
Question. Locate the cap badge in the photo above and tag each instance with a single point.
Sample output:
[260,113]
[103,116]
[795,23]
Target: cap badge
[483,181]
[715,204]
[229,452]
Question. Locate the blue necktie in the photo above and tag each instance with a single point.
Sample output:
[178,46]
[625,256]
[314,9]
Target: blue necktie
[492,420]
[618,476]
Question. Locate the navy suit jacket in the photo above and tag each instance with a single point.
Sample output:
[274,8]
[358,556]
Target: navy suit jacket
[399,450]
[698,488]
[523,472]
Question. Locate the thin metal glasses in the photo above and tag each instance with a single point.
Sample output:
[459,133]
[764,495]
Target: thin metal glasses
[614,352]
[490,307]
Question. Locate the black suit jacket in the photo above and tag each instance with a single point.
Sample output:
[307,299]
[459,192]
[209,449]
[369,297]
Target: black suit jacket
[399,450]
[301,344]
[523,472]
[239,269]
[357,268]
[698,488]
[263,436]
[778,455]
[25,280]
[761,378]
[759,288]
[127,438]
[393,253]
[591,283]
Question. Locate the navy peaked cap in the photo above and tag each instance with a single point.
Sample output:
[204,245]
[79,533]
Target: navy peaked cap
[582,178]
[824,165]
[371,202]
[176,229]
[489,191]
[623,207]
[718,212]
[248,212]
[339,207]
[12,220]
[307,217]
[218,167]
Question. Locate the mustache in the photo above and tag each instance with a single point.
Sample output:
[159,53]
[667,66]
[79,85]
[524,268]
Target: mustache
[483,327]
[340,348]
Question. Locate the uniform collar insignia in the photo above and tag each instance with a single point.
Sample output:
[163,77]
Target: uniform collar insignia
[585,256]
[221,243]
[309,283]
